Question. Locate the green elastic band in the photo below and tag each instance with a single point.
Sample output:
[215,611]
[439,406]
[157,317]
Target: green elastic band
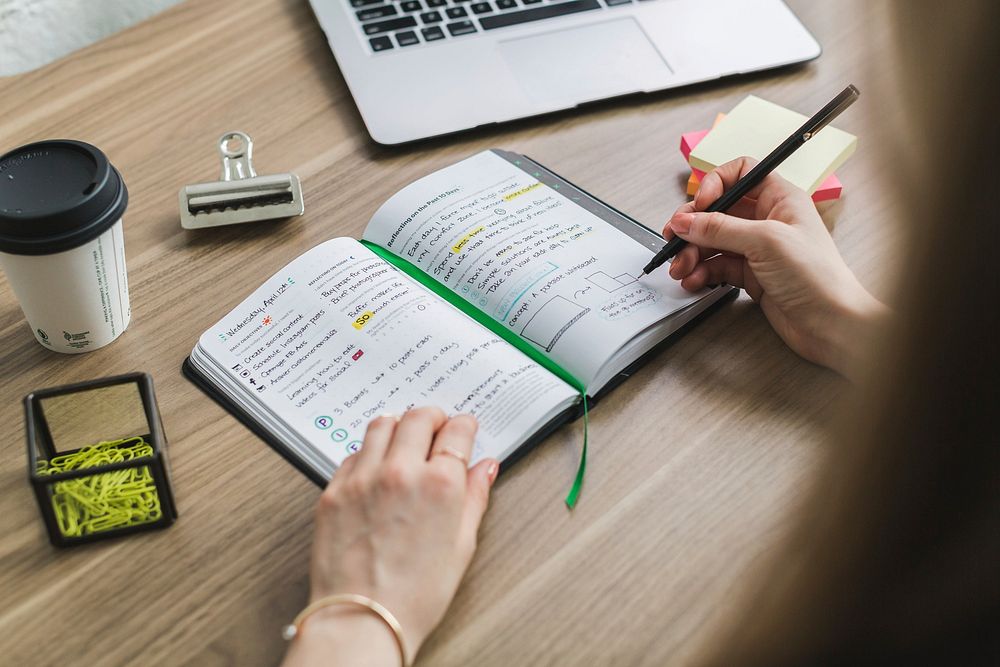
[503,332]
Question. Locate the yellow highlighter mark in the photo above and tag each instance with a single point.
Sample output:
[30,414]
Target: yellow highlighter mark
[465,239]
[362,320]
[518,193]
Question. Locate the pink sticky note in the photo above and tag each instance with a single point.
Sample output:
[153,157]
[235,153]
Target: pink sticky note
[829,189]
[690,140]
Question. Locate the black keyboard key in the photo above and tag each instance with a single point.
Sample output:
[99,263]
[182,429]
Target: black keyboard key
[431,17]
[407,38]
[411,6]
[506,4]
[365,3]
[432,33]
[612,3]
[391,24]
[456,12]
[530,2]
[380,43]
[461,28]
[537,13]
[376,12]
[436,3]
[481,7]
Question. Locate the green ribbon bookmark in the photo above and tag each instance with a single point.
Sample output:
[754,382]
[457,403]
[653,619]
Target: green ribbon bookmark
[574,493]
[503,332]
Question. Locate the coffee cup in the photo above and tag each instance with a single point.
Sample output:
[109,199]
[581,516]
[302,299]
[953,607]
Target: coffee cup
[62,247]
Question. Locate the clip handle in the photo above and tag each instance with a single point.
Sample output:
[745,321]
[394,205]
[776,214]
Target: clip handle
[236,149]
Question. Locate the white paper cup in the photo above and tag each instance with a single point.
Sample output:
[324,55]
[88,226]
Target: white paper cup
[61,243]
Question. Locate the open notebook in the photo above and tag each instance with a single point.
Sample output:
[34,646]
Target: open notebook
[492,287]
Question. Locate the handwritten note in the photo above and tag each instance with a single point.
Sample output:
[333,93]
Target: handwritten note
[527,255]
[345,337]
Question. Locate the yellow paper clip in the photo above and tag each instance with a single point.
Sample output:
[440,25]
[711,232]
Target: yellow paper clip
[103,501]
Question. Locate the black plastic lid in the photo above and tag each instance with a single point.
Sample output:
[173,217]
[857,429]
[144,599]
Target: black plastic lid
[57,195]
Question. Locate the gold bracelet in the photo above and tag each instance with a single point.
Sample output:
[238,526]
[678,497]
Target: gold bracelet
[291,631]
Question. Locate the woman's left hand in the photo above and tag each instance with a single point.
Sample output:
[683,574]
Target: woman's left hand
[398,524]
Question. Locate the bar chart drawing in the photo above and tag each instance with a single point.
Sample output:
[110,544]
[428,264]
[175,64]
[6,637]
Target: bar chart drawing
[611,283]
[547,326]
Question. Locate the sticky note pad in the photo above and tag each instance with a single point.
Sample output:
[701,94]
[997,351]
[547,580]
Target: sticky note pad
[755,127]
[829,189]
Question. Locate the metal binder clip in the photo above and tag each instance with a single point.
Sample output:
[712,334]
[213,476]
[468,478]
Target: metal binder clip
[241,195]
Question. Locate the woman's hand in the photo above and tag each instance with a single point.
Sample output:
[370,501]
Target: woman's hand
[398,524]
[774,245]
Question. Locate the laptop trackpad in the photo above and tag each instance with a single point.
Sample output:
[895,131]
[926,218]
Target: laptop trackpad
[585,63]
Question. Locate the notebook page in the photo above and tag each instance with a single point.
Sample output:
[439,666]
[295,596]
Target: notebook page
[553,273]
[339,337]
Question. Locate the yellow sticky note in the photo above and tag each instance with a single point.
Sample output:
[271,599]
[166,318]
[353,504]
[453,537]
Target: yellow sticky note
[755,127]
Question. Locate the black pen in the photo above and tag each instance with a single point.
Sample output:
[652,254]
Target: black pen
[765,167]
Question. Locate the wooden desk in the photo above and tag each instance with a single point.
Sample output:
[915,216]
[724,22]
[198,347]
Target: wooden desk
[695,463]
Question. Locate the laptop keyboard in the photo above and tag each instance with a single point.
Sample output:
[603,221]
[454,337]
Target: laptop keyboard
[394,24]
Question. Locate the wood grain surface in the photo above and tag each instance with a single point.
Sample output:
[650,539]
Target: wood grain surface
[697,462]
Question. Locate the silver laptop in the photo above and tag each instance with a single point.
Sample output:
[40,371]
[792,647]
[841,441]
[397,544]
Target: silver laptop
[421,68]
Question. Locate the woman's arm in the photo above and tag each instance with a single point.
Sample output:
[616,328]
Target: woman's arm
[397,524]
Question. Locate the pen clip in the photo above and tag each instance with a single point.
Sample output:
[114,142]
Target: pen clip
[846,98]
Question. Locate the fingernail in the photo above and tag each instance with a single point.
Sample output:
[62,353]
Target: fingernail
[681,223]
[492,472]
[389,415]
